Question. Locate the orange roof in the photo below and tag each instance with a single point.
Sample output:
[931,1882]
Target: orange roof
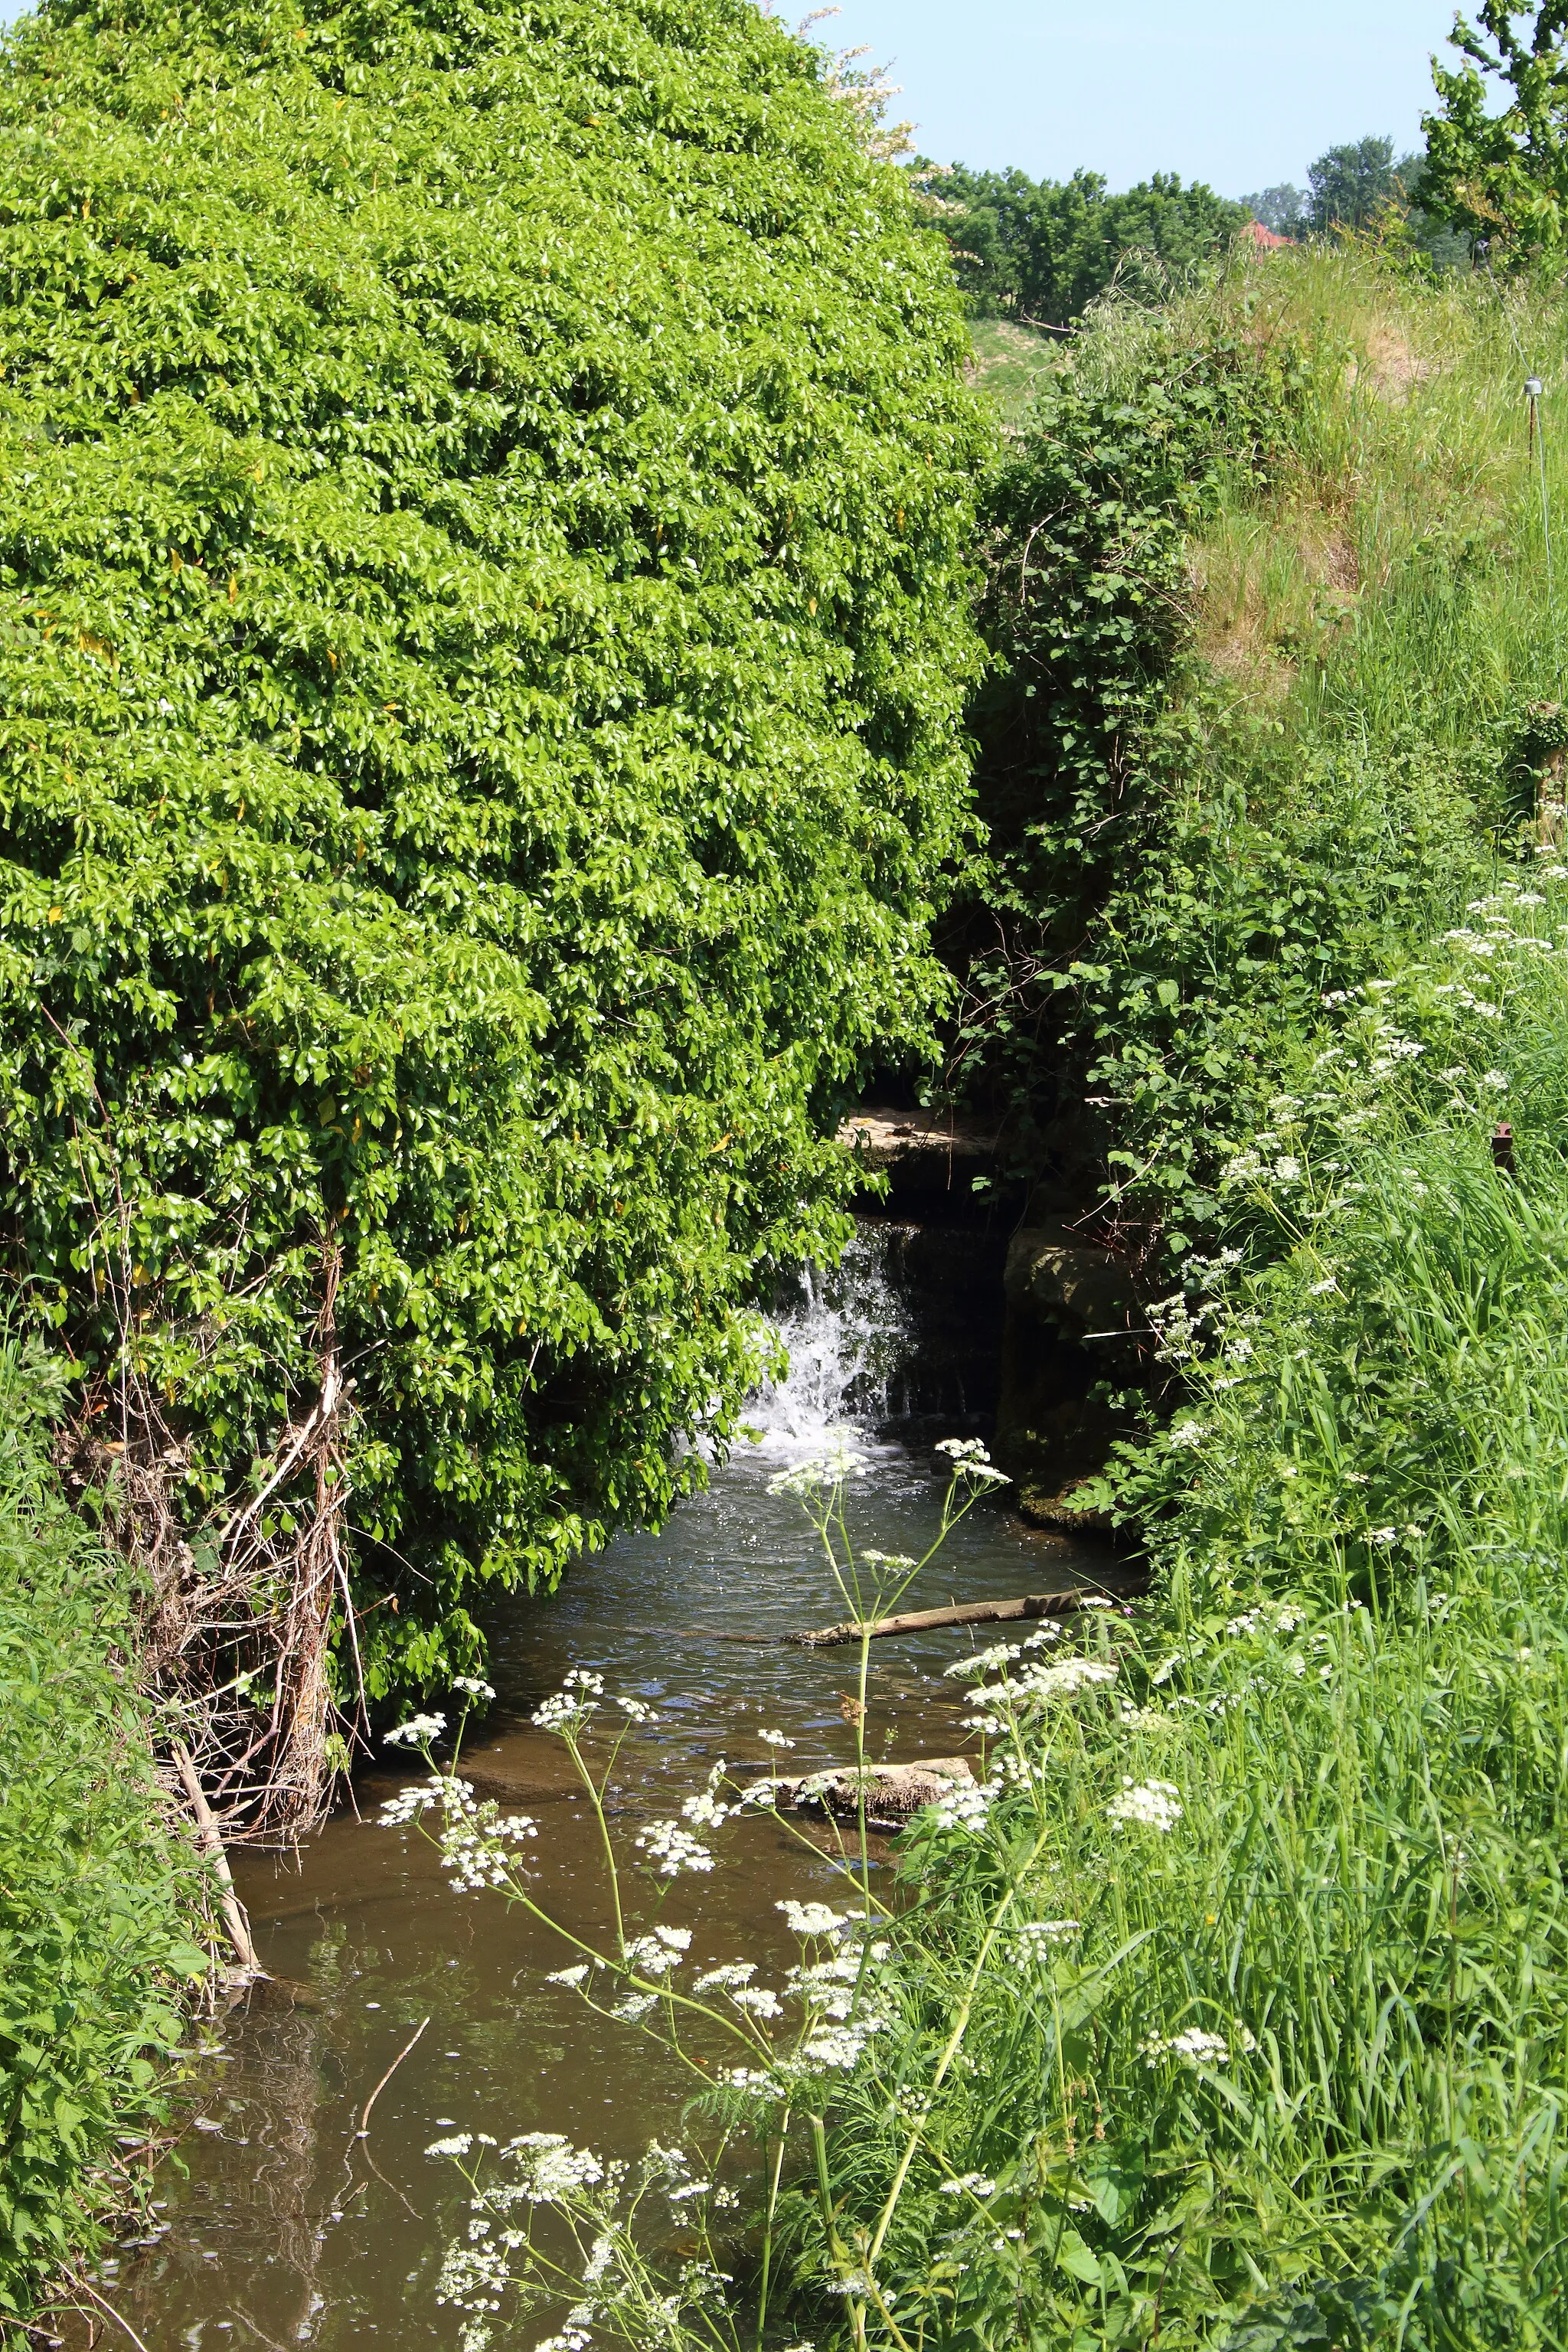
[1264,238]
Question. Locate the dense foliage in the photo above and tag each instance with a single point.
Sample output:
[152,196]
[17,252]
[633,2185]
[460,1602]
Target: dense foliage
[1500,171]
[484,556]
[1081,944]
[1180,862]
[1238,2019]
[1041,250]
[95,1908]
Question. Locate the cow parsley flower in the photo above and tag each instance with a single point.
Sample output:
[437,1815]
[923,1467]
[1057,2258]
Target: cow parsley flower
[1150,1804]
[670,1849]
[841,1461]
[416,1732]
[812,1918]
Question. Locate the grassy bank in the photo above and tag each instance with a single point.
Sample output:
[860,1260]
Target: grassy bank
[1242,2017]
[97,1907]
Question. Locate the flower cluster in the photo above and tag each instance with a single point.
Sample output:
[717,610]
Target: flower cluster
[417,1732]
[442,1788]
[671,1850]
[1150,1804]
[842,1461]
[970,1461]
[569,1708]
[480,1847]
[1194,2047]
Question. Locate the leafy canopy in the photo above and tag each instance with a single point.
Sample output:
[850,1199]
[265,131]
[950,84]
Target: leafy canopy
[1502,174]
[484,530]
[1042,250]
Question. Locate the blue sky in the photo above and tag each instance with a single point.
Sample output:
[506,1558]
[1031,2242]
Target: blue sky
[1241,93]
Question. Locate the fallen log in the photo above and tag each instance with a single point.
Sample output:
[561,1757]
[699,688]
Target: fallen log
[967,1612]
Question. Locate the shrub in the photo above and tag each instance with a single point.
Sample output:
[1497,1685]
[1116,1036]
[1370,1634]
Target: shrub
[96,1910]
[484,562]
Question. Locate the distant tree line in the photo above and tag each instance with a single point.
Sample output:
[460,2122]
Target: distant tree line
[1040,250]
[1354,186]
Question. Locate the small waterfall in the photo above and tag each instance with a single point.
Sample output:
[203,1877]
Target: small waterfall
[850,1334]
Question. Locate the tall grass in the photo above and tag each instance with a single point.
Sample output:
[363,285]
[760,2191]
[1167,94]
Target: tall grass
[1297,2073]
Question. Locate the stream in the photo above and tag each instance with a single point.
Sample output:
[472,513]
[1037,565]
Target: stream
[275,2225]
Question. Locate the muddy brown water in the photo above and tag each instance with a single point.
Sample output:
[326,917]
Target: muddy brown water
[276,2226]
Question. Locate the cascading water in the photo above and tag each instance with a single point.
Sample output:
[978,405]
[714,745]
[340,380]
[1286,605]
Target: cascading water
[849,1334]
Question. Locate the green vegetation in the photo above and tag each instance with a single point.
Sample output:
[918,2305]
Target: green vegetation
[1040,250]
[1292,2071]
[480,670]
[1501,171]
[96,1907]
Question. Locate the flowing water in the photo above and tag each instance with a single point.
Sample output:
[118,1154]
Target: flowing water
[277,2225]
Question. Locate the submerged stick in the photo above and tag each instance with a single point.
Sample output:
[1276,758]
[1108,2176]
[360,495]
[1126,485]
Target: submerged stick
[209,1841]
[967,1613]
[364,2131]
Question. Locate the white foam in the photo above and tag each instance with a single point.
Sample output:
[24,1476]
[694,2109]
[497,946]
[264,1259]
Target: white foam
[846,1339]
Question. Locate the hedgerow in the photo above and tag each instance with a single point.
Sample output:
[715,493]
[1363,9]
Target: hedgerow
[484,542]
[97,1906]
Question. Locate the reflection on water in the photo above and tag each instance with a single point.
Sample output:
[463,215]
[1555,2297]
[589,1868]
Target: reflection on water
[285,2229]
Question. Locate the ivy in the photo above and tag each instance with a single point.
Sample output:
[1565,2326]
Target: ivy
[485,533]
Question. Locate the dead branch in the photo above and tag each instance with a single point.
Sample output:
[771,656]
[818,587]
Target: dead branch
[209,1839]
[967,1613]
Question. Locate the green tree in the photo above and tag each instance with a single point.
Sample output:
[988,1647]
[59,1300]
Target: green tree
[1042,249]
[1283,208]
[1502,172]
[484,537]
[1353,184]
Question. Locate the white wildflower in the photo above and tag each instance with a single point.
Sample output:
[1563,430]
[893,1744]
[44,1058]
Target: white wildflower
[670,1849]
[1151,1804]
[967,2184]
[417,1731]
[812,1918]
[721,1979]
[759,1999]
[1047,1931]
[830,1469]
[984,1662]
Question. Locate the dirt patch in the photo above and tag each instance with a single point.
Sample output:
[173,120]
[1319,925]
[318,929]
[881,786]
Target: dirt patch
[1390,369]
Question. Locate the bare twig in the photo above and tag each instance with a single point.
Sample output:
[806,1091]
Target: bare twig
[83,2286]
[364,2131]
